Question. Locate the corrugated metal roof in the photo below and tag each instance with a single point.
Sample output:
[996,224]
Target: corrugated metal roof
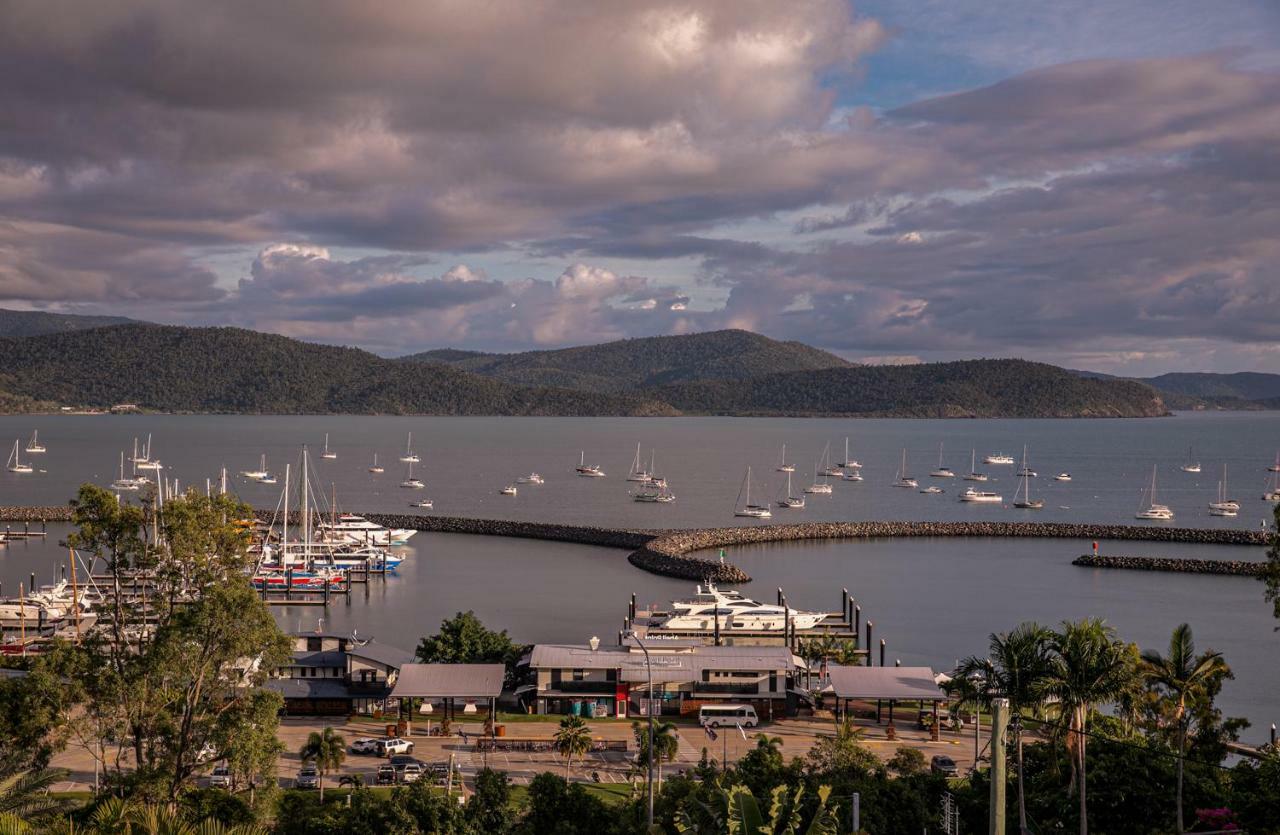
[682,664]
[382,653]
[309,688]
[327,658]
[884,683]
[450,681]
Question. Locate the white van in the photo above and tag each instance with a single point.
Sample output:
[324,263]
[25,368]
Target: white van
[728,715]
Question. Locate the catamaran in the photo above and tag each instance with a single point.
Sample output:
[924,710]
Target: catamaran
[588,470]
[1158,512]
[1224,506]
[409,457]
[974,475]
[411,483]
[789,499]
[754,511]
[15,463]
[999,458]
[783,466]
[327,453]
[376,468]
[1192,465]
[941,471]
[905,480]
[34,447]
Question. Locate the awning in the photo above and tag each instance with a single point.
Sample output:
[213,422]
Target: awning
[901,683]
[449,681]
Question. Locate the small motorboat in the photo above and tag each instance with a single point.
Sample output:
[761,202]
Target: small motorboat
[531,478]
[1062,477]
[933,488]
[509,490]
[427,503]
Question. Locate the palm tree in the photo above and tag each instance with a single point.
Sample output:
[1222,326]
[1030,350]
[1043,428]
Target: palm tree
[574,737]
[26,797]
[1182,673]
[1090,667]
[768,743]
[666,745]
[327,750]
[1017,668]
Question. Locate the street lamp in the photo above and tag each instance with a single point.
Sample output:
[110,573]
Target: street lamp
[649,711]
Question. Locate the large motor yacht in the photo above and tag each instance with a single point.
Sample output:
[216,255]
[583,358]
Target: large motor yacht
[735,611]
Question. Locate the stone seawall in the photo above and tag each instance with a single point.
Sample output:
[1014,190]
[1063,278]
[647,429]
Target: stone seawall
[17,513]
[1237,568]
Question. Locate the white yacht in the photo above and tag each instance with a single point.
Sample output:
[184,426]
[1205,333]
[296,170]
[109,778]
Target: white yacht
[34,447]
[327,453]
[790,499]
[941,471]
[746,508]
[999,458]
[819,488]
[849,463]
[531,478]
[1224,506]
[1192,465]
[15,462]
[932,489]
[149,460]
[659,495]
[376,468]
[427,503]
[411,483]
[509,490]
[783,466]
[588,470]
[1062,477]
[128,482]
[974,475]
[851,475]
[410,457]
[905,480]
[357,530]
[258,474]
[980,497]
[734,611]
[1158,512]
[1026,502]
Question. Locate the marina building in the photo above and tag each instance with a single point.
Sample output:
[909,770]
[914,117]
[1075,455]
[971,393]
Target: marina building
[336,675]
[595,680]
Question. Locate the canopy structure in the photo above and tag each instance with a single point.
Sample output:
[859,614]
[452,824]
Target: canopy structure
[450,682]
[891,684]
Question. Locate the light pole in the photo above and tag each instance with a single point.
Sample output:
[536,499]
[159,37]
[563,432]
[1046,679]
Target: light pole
[649,712]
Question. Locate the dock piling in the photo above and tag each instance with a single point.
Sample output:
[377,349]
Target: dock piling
[882,652]
[871,662]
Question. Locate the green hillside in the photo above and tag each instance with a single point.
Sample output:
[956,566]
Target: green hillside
[20,323]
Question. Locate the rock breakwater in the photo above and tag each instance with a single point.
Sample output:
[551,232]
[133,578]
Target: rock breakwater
[1238,568]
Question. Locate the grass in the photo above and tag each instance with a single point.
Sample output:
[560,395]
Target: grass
[612,793]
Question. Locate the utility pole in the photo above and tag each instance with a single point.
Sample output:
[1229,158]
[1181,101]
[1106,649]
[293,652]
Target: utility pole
[999,741]
[856,812]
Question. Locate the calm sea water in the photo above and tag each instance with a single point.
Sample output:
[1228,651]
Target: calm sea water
[933,601]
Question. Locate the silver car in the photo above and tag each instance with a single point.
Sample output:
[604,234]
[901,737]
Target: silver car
[308,778]
[220,778]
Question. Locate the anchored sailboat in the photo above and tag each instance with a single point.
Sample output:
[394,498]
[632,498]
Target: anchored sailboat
[15,463]
[1026,502]
[974,475]
[375,468]
[746,508]
[34,447]
[327,453]
[409,457]
[411,483]
[905,480]
[1224,506]
[1192,465]
[942,471]
[783,466]
[789,499]
[1158,512]
[588,470]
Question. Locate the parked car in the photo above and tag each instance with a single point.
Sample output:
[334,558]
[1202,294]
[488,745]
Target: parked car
[206,753]
[944,765]
[220,778]
[365,745]
[308,778]
[412,773]
[386,775]
[395,745]
[399,761]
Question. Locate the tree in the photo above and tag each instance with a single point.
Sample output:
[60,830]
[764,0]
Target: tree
[489,808]
[574,737]
[735,811]
[907,761]
[327,750]
[26,798]
[841,753]
[1016,668]
[1181,673]
[463,639]
[557,807]
[1090,667]
[1271,569]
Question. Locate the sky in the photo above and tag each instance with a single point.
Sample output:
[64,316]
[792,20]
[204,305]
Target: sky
[1093,184]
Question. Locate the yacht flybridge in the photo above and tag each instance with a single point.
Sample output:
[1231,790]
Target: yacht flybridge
[410,457]
[905,480]
[1154,511]
[357,530]
[15,463]
[710,607]
[588,470]
[745,507]
[941,471]
[34,447]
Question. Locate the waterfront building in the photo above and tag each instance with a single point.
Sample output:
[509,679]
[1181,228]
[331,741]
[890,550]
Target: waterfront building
[333,675]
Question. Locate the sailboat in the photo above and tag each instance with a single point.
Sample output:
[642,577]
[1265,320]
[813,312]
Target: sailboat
[409,457]
[258,474]
[1153,510]
[1224,506]
[638,472]
[1026,502]
[375,468]
[144,457]
[783,466]
[588,470]
[1273,493]
[1025,471]
[905,480]
[654,480]
[790,499]
[849,463]
[34,447]
[123,483]
[326,453]
[655,489]
[974,475]
[15,463]
[941,471]
[149,461]
[753,511]
[411,483]
[1275,468]
[822,471]
[1192,465]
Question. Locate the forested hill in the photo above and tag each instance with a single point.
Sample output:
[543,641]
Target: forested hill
[630,364]
[229,370]
[972,388]
[19,323]
[1210,390]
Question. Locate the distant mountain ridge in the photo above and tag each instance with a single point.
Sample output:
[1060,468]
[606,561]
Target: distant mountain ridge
[19,323]
[227,370]
[1201,390]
